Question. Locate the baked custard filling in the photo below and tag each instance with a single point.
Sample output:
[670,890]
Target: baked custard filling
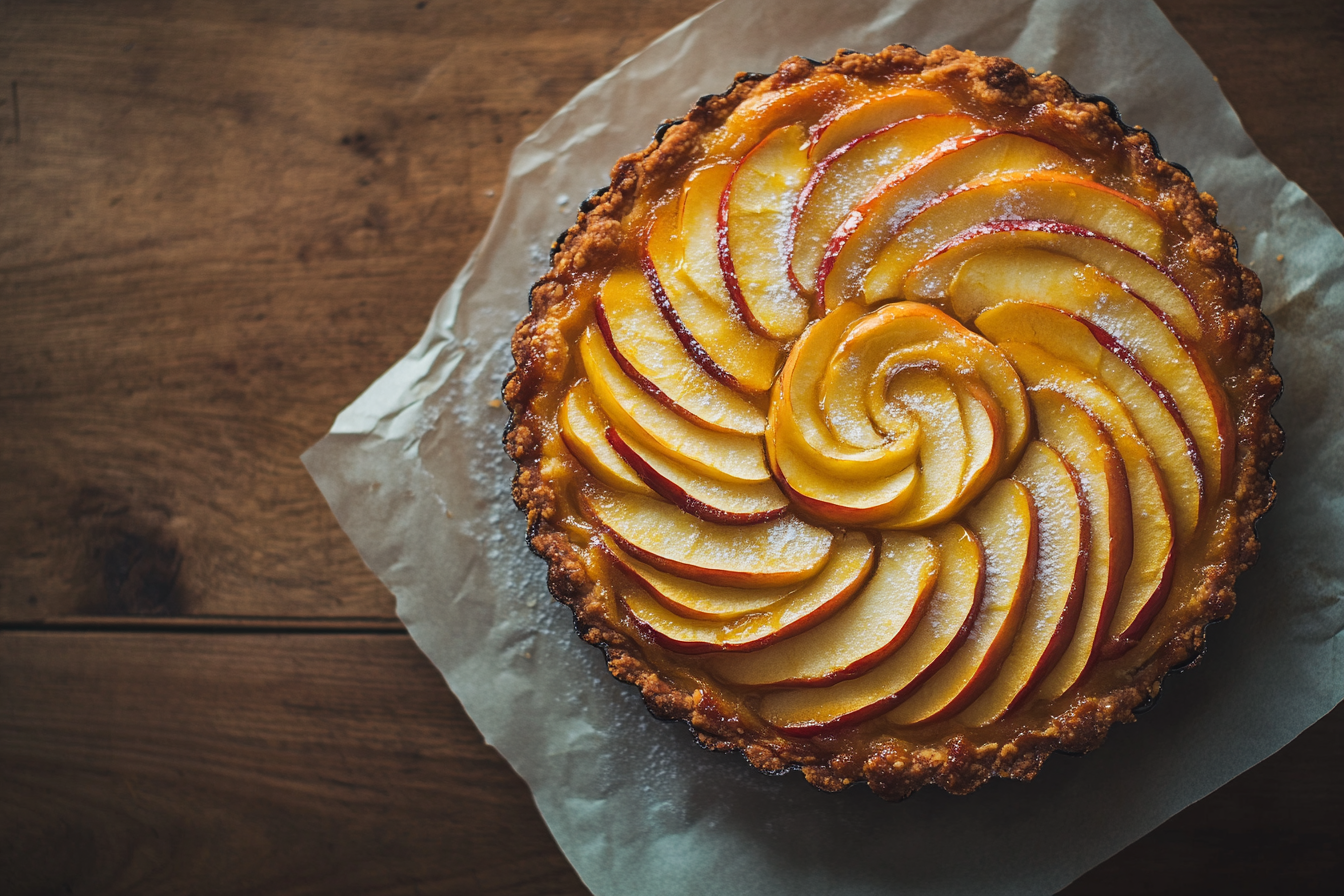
[899,418]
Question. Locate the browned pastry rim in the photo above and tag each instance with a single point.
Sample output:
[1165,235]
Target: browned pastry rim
[891,768]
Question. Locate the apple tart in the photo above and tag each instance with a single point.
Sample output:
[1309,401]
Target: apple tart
[898,418]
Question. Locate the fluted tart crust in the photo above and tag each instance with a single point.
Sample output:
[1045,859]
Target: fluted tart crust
[900,418]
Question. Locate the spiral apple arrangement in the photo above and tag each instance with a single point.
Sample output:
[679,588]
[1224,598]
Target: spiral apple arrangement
[900,412]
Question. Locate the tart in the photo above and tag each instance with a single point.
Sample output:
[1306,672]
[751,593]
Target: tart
[899,418]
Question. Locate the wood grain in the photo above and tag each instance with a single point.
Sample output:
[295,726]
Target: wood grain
[233,218]
[218,223]
[168,763]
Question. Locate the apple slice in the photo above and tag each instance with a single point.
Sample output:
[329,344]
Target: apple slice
[1082,441]
[843,126]
[982,417]
[906,334]
[649,352]
[842,177]
[854,390]
[858,637]
[781,552]
[696,600]
[846,502]
[928,281]
[808,606]
[712,334]
[796,413]
[698,231]
[1053,195]
[950,615]
[1142,335]
[754,216]
[1065,337]
[728,456]
[944,451]
[1005,522]
[1057,593]
[941,172]
[984,423]
[802,103]
[583,430]
[1148,579]
[710,499]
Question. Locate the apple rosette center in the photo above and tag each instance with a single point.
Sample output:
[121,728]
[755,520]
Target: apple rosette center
[893,419]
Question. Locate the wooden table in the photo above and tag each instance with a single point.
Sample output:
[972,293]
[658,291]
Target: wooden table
[219,223]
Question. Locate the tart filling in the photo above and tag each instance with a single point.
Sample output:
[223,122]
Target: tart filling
[899,418]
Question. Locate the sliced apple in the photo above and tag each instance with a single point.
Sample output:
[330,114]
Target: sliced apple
[728,456]
[808,606]
[847,502]
[944,451]
[942,172]
[1005,522]
[802,103]
[904,334]
[712,334]
[1063,336]
[649,352]
[875,623]
[1053,195]
[871,114]
[1148,579]
[852,372]
[842,177]
[753,225]
[1057,592]
[710,499]
[1082,441]
[781,552]
[984,423]
[584,432]
[946,622]
[1144,338]
[928,281]
[696,600]
[698,231]
[796,411]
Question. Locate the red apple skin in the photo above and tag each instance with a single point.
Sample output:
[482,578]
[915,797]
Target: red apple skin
[993,660]
[726,259]
[1119,644]
[671,566]
[695,648]
[816,510]
[1068,620]
[1226,432]
[856,217]
[693,348]
[860,666]
[851,224]
[876,709]
[1121,548]
[818,172]
[1112,345]
[639,379]
[675,494]
[1064,229]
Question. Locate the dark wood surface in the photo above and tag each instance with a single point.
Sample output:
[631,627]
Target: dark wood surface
[218,223]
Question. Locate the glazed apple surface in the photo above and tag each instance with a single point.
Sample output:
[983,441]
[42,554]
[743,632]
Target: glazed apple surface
[895,416]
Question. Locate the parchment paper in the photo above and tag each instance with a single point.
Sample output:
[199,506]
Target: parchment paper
[415,474]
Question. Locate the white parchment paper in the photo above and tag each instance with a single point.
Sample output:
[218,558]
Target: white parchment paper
[415,473]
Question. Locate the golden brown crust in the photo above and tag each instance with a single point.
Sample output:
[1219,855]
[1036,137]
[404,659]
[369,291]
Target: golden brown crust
[891,768]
